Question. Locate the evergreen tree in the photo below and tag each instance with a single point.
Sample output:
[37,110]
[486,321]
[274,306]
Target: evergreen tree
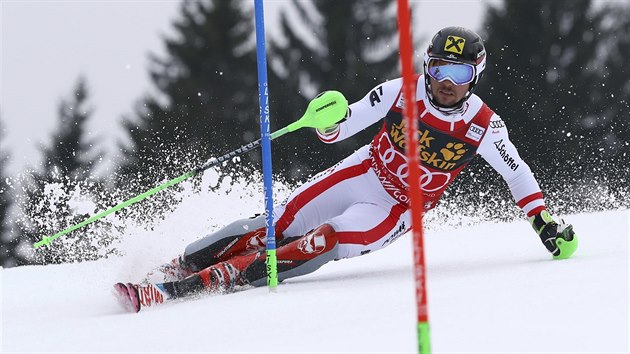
[549,78]
[349,46]
[71,156]
[208,96]
[67,161]
[610,127]
[7,244]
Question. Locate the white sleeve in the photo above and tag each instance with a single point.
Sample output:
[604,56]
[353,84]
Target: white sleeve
[369,110]
[497,149]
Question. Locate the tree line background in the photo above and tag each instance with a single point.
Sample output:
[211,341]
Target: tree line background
[557,74]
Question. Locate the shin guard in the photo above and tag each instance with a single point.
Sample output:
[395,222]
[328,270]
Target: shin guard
[301,256]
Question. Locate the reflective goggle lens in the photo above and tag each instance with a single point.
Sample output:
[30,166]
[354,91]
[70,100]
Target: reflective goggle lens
[457,73]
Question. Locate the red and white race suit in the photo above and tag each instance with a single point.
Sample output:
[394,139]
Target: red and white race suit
[364,197]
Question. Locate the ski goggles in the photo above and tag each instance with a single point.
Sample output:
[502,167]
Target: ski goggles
[455,72]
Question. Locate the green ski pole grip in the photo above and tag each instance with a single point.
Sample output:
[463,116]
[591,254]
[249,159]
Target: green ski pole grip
[323,111]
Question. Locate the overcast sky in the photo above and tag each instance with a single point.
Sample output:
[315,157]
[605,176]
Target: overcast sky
[47,44]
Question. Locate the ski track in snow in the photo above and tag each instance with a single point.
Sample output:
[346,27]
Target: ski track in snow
[492,288]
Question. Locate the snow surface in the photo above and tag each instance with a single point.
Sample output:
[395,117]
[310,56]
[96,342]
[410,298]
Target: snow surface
[492,288]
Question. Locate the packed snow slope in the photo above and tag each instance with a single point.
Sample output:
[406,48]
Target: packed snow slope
[492,288]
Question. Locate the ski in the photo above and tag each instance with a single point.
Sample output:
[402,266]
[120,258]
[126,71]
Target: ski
[133,297]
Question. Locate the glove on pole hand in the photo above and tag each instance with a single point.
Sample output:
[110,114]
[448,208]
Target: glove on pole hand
[560,239]
[325,110]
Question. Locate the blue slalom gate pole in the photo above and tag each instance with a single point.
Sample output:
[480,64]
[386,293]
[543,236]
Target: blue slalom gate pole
[263,96]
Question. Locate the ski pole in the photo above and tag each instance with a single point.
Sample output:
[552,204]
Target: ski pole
[325,110]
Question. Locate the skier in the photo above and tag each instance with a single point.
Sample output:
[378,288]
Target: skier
[361,204]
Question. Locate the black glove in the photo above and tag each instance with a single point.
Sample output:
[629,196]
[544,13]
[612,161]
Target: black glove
[560,239]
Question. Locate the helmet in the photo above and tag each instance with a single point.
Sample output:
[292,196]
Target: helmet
[456,45]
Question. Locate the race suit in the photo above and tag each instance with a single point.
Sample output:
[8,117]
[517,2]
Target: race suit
[361,204]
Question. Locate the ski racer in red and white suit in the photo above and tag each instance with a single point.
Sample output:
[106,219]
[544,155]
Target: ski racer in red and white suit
[361,204]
